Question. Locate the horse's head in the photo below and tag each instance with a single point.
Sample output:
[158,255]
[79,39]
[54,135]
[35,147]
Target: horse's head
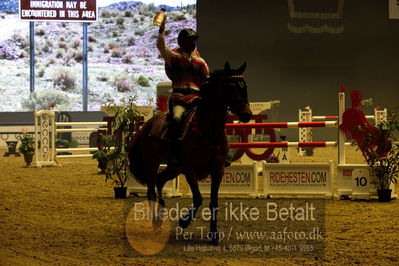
[235,89]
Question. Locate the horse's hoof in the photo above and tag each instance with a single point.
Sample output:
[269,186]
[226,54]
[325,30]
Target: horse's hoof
[215,238]
[184,223]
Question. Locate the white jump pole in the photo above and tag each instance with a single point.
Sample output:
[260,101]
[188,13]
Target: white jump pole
[341,134]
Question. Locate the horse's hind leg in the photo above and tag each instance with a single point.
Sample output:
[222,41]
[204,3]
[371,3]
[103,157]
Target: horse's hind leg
[213,205]
[151,170]
[185,221]
[161,179]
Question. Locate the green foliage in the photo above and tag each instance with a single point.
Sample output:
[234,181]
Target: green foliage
[61,143]
[123,82]
[40,32]
[148,10]
[73,143]
[76,43]
[117,52]
[91,39]
[176,16]
[71,54]
[128,13]
[41,72]
[102,77]
[113,45]
[64,79]
[128,58]
[27,143]
[46,49]
[20,39]
[105,13]
[384,168]
[120,21]
[103,154]
[42,99]
[131,41]
[126,121]
[143,81]
[140,32]
[48,43]
[181,17]
[50,60]
[59,53]
[79,56]
[63,45]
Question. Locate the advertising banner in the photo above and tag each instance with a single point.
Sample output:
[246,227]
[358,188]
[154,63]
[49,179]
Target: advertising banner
[354,180]
[298,178]
[238,179]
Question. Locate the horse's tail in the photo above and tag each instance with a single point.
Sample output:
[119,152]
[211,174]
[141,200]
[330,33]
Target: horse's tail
[136,161]
[136,156]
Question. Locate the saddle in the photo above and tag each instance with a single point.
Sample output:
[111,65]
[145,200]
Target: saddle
[160,128]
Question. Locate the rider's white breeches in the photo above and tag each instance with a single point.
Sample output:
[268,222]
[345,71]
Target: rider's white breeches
[178,110]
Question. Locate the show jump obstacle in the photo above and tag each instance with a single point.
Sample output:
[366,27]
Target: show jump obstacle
[242,179]
[301,178]
[306,115]
[47,154]
[46,130]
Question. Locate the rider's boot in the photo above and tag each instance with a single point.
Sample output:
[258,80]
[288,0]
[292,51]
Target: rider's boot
[176,142]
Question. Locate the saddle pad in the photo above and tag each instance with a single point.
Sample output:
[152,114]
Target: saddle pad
[159,128]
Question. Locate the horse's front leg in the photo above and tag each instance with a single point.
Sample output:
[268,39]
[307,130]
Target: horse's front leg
[214,204]
[166,175]
[185,221]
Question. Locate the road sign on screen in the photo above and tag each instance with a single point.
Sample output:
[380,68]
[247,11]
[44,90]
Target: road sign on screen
[58,10]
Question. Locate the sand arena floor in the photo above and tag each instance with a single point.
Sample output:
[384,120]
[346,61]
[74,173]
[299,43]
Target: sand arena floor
[67,215]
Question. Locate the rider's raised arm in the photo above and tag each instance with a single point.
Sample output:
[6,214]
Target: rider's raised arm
[164,50]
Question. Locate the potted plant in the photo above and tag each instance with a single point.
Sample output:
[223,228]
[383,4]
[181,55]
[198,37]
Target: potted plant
[383,159]
[27,146]
[103,154]
[127,119]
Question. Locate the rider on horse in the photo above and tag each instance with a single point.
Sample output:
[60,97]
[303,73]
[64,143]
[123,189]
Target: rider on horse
[187,70]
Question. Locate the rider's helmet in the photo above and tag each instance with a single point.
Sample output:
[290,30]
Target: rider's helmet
[186,33]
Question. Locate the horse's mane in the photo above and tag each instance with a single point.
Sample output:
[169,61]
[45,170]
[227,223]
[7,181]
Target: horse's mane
[211,80]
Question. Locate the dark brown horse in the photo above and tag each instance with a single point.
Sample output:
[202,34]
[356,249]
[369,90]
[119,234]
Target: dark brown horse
[205,144]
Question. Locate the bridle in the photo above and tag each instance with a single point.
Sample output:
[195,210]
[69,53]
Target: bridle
[237,79]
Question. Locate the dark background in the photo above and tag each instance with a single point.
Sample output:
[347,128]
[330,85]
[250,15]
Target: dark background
[304,69]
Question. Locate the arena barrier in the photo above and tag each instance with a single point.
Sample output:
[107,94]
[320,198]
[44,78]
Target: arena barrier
[306,115]
[238,179]
[354,180]
[10,134]
[298,179]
